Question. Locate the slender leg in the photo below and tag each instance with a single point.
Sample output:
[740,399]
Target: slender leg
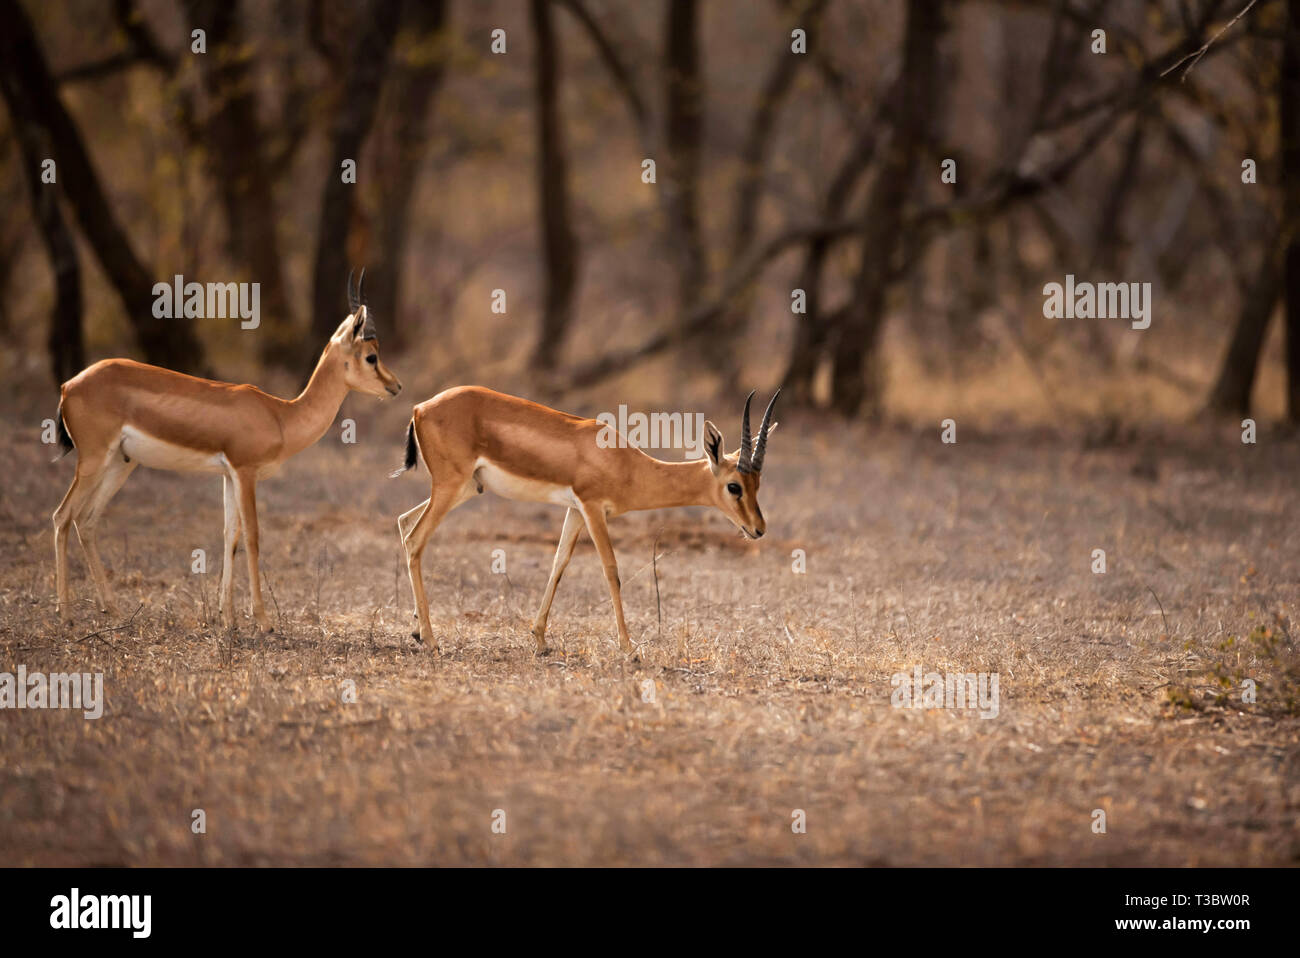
[231,539]
[83,484]
[107,484]
[410,518]
[595,517]
[404,524]
[563,553]
[246,493]
[441,501]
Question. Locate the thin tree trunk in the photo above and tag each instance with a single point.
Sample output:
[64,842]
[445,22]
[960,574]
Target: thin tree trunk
[1236,380]
[684,124]
[749,190]
[416,82]
[559,245]
[235,152]
[856,386]
[66,345]
[1289,96]
[361,88]
[33,101]
[812,329]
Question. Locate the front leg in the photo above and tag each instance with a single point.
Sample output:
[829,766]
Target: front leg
[246,490]
[231,540]
[594,514]
[563,553]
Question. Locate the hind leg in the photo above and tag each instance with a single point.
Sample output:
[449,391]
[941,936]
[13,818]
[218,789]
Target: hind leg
[86,522]
[444,497]
[83,485]
[409,518]
[406,525]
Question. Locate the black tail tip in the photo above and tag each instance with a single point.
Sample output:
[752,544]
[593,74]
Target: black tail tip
[412,452]
[65,440]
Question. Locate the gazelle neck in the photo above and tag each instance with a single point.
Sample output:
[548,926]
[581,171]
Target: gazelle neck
[313,411]
[672,484]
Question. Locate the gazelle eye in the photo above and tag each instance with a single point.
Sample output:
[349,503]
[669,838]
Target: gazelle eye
[734,488]
[372,359]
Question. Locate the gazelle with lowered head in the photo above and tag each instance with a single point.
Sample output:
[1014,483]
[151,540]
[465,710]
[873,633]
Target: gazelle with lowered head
[472,439]
[119,414]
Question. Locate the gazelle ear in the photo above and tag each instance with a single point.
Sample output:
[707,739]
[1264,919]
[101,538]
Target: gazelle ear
[713,446]
[358,322]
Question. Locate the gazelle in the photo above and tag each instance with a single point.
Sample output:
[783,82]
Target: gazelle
[119,414]
[472,439]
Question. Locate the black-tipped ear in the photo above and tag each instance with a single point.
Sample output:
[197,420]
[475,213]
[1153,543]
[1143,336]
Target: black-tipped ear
[713,445]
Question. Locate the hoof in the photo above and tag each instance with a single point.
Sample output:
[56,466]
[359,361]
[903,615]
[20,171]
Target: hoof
[544,650]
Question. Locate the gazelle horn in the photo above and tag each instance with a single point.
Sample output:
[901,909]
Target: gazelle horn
[760,447]
[368,330]
[746,446]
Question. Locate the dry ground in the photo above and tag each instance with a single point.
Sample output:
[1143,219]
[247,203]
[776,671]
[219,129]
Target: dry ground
[771,690]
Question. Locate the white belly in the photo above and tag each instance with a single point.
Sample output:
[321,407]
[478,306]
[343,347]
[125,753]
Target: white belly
[157,454]
[509,486]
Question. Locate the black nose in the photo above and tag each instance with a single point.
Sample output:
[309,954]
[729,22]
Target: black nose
[758,533]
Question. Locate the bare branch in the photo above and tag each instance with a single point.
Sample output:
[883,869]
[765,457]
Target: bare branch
[1195,56]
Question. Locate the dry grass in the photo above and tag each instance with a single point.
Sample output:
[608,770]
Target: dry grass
[771,689]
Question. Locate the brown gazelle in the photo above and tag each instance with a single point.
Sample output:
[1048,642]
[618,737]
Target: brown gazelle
[119,414]
[472,439]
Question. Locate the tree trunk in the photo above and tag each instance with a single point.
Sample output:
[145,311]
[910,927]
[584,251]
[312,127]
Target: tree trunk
[749,190]
[235,151]
[1236,380]
[66,345]
[416,81]
[559,245]
[33,102]
[856,386]
[812,332]
[1289,104]
[368,63]
[684,99]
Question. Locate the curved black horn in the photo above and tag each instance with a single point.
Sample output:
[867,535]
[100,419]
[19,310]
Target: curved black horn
[760,447]
[353,301]
[746,446]
[368,330]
